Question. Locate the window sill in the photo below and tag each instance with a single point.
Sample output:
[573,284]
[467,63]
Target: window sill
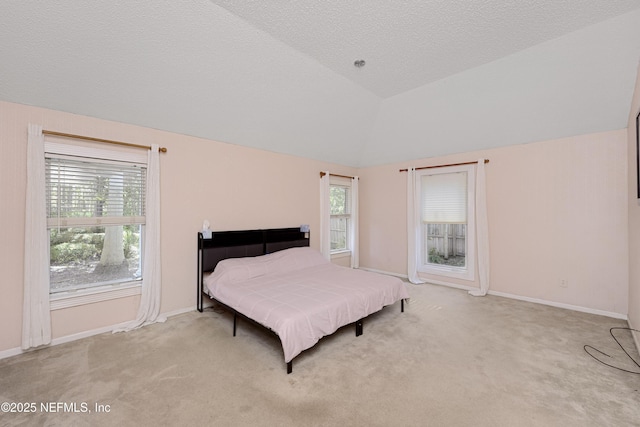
[88,296]
[340,254]
[455,273]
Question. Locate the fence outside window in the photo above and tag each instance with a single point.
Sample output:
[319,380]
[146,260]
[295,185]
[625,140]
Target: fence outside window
[339,230]
[446,244]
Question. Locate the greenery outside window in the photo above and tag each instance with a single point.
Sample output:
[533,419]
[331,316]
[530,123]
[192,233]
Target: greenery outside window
[95,217]
[340,217]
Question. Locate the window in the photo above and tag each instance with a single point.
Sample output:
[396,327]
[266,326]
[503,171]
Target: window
[340,221]
[95,203]
[446,245]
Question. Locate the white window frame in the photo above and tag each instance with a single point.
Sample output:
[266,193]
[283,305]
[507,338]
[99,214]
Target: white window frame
[344,183]
[65,299]
[463,273]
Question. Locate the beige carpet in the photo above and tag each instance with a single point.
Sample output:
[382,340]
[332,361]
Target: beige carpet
[449,360]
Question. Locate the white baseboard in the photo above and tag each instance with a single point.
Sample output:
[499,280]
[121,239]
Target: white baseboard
[562,305]
[373,270]
[635,335]
[11,352]
[84,334]
[179,311]
[521,298]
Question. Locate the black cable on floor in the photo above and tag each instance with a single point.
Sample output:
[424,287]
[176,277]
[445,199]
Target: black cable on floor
[586,347]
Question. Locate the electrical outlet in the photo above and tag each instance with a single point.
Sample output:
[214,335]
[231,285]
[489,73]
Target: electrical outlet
[564,283]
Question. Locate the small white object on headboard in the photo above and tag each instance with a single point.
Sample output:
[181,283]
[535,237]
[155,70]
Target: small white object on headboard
[206,231]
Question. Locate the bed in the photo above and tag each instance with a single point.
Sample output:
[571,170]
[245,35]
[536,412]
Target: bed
[273,278]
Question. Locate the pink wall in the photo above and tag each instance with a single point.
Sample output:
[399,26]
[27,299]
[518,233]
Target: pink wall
[634,217]
[557,211]
[233,187]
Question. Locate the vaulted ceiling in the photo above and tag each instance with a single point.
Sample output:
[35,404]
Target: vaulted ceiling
[440,76]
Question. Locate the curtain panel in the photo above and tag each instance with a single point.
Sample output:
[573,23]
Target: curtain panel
[413,228]
[36,316]
[149,309]
[325,216]
[354,230]
[482,232]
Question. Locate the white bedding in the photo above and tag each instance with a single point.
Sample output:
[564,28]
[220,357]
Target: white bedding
[300,295]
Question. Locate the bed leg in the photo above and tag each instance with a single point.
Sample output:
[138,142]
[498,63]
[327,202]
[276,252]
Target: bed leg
[359,328]
[235,321]
[402,305]
[289,367]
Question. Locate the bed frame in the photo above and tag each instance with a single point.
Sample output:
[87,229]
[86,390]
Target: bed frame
[248,243]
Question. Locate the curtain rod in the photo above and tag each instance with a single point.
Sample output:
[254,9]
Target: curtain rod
[107,141]
[442,166]
[334,174]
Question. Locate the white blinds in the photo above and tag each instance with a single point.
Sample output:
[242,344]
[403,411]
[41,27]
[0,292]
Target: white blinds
[444,198]
[86,192]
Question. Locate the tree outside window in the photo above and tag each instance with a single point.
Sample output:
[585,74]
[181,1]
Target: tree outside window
[95,219]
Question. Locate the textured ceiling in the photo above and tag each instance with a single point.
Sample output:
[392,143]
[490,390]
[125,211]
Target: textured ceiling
[442,76]
[409,43]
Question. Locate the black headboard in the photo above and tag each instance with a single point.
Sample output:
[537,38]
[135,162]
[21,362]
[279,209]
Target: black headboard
[243,243]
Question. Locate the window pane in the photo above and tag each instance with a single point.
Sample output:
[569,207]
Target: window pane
[339,230]
[445,244]
[444,198]
[77,188]
[339,200]
[88,257]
